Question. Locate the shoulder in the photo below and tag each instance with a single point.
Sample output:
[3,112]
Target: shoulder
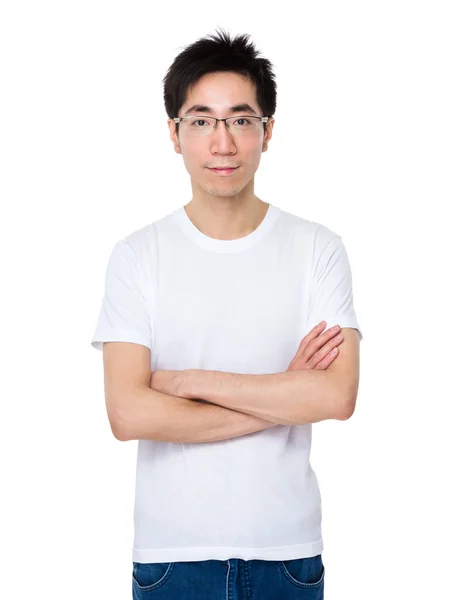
[141,245]
[317,234]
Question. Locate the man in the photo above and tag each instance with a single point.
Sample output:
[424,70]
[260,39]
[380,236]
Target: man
[202,315]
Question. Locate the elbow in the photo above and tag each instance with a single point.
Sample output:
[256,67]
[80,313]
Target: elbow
[120,436]
[344,415]
[119,431]
[346,407]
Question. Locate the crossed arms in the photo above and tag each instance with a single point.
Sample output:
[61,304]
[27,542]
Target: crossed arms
[288,398]
[162,405]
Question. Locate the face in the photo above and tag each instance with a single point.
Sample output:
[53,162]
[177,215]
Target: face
[219,91]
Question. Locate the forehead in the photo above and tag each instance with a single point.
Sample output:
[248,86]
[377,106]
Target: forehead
[217,93]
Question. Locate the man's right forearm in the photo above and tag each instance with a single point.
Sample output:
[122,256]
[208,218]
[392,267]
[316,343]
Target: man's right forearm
[152,415]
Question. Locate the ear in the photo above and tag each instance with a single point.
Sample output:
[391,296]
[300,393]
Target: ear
[268,134]
[173,136]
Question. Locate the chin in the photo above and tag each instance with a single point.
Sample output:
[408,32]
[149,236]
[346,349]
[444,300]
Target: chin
[229,191]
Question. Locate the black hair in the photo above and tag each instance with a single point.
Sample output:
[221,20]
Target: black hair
[218,53]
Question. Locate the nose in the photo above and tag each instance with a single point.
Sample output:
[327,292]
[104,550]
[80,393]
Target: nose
[222,141]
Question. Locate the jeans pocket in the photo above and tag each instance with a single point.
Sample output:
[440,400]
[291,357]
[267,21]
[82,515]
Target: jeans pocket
[304,572]
[149,576]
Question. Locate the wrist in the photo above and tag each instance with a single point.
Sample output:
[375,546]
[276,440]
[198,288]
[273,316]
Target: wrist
[187,384]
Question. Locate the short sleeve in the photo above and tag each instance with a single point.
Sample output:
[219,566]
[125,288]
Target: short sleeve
[331,288]
[125,312]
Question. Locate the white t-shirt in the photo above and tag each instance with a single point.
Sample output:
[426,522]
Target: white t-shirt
[239,306]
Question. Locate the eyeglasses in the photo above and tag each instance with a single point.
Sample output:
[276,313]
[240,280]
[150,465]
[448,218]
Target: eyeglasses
[202,125]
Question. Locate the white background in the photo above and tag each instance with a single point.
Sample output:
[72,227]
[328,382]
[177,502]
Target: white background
[360,144]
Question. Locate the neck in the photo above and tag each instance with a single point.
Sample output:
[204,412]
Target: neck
[227,222]
[226,217]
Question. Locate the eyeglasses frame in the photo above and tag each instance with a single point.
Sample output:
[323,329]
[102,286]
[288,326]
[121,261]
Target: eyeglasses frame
[179,119]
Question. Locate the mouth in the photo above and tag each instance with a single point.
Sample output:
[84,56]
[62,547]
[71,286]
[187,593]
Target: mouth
[224,171]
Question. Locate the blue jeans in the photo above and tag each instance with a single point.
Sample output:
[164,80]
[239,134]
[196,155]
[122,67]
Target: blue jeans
[233,579]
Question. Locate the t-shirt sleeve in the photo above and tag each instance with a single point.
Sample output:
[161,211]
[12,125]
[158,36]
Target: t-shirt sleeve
[125,312]
[331,292]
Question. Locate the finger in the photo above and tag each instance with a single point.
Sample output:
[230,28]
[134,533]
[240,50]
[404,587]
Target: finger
[327,360]
[320,343]
[313,333]
[334,341]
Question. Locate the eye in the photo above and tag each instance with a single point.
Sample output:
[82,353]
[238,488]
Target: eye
[248,122]
[201,121]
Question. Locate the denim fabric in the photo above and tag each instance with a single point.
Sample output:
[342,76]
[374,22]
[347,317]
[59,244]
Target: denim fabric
[233,579]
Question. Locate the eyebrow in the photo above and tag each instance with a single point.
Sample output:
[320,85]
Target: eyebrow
[234,109]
